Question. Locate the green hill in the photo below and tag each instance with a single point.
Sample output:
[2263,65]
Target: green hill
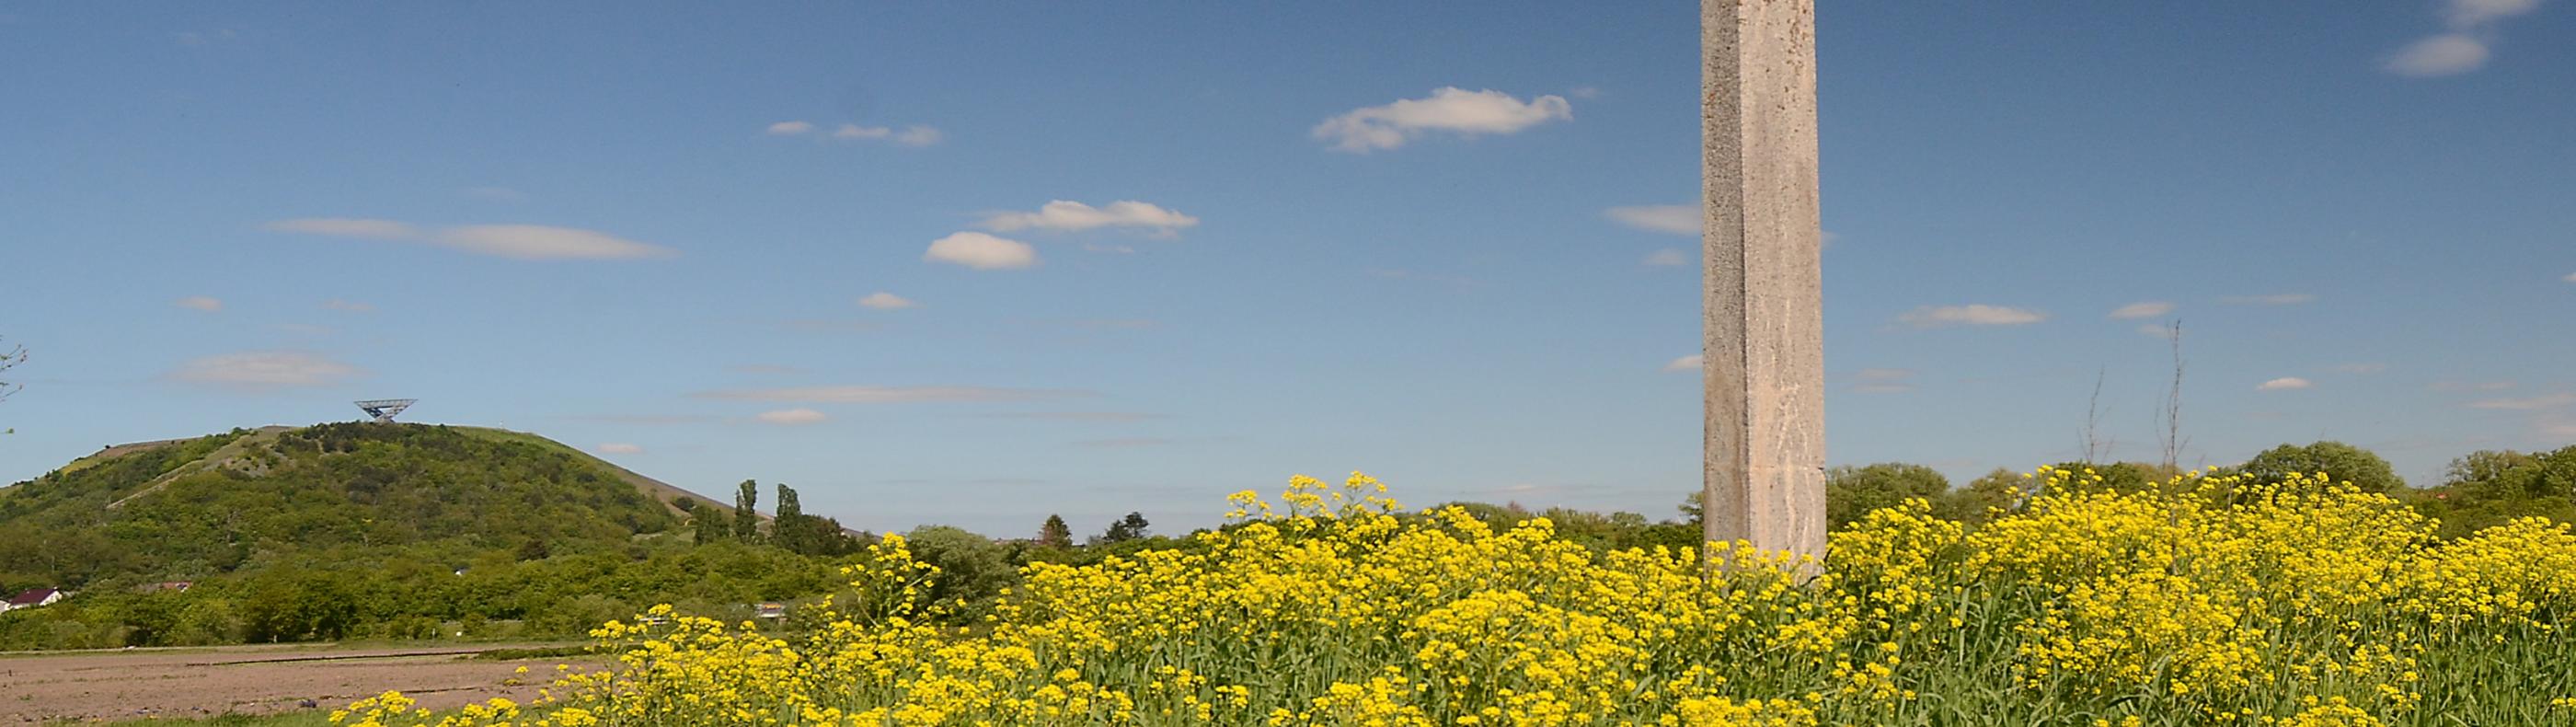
[193,508]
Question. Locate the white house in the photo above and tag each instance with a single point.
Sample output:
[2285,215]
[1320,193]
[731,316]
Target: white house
[34,597]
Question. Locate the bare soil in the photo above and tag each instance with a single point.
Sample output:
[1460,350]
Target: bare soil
[140,683]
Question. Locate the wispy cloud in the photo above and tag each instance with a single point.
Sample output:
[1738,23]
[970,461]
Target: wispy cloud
[1668,257]
[1080,416]
[792,417]
[1070,216]
[1124,442]
[205,303]
[916,135]
[2284,383]
[1691,362]
[345,227]
[2571,277]
[2550,401]
[1674,219]
[981,252]
[2158,330]
[764,369]
[882,300]
[2471,385]
[619,448]
[266,370]
[645,419]
[2367,367]
[1883,381]
[863,394]
[2465,46]
[1449,109]
[1969,315]
[520,242]
[2142,309]
[349,305]
[2273,299]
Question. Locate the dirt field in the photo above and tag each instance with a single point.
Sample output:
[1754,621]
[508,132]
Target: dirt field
[140,683]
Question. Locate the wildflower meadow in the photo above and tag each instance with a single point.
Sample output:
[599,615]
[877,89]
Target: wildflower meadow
[2206,601]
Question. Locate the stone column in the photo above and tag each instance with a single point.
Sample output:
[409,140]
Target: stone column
[1764,333]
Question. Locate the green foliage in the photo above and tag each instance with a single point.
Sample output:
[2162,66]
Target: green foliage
[2485,488]
[1851,492]
[1125,529]
[746,511]
[344,531]
[1054,533]
[2342,462]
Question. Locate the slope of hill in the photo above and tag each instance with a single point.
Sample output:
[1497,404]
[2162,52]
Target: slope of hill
[191,508]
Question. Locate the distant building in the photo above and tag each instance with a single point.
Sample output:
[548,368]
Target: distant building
[772,610]
[180,586]
[34,597]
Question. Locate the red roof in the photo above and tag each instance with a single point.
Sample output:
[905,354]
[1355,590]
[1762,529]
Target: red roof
[32,597]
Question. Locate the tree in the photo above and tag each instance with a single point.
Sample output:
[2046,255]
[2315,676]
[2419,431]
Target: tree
[2341,462]
[788,528]
[1055,534]
[746,513]
[711,524]
[1125,529]
[1851,492]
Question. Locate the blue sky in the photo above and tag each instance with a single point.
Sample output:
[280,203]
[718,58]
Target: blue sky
[977,263]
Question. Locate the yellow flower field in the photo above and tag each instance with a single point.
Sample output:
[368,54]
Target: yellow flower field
[2207,601]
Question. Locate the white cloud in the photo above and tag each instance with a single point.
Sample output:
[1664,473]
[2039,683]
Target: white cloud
[200,302]
[2142,309]
[1691,362]
[619,448]
[919,135]
[1451,109]
[2273,299]
[2571,277]
[1069,216]
[2440,55]
[1082,416]
[792,417]
[2551,401]
[345,227]
[981,251]
[915,135]
[1668,257]
[496,194]
[2468,44]
[1883,381]
[860,394]
[790,128]
[2284,383]
[1108,249]
[1970,315]
[882,300]
[266,369]
[540,242]
[1678,219]
[2471,385]
[349,305]
[521,242]
[855,131]
[2473,13]
[2558,429]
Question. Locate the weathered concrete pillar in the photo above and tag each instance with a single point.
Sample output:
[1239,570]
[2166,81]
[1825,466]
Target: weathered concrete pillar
[1764,333]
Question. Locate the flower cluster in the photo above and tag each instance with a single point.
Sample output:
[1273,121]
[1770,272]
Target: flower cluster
[2208,600]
